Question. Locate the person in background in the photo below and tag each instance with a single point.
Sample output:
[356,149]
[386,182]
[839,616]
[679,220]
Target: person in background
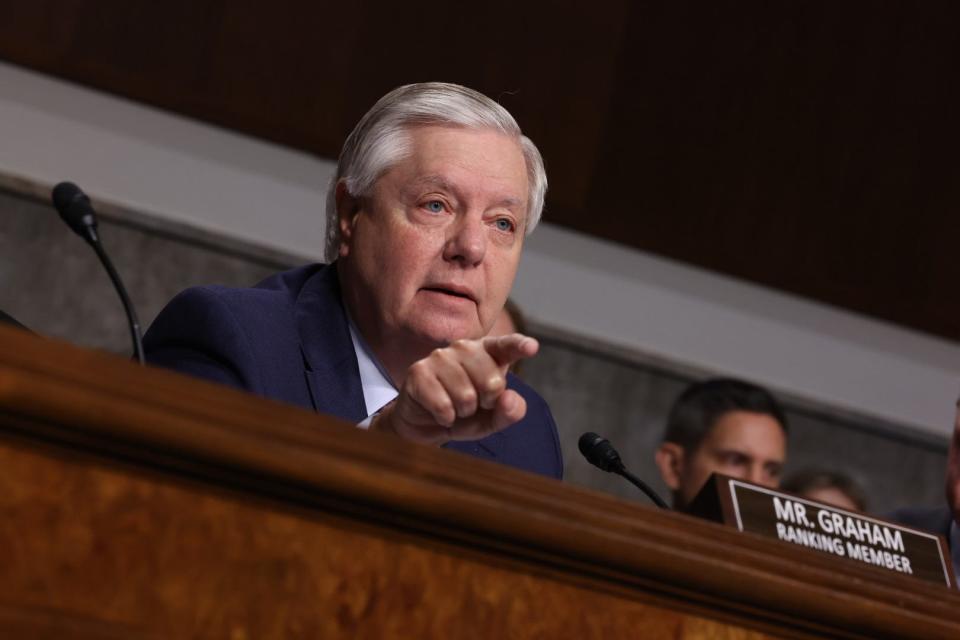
[829,487]
[510,320]
[943,520]
[723,426]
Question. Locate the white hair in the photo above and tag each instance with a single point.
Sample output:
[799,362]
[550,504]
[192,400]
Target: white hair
[381,139]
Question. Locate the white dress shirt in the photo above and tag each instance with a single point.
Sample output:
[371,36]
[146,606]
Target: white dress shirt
[378,391]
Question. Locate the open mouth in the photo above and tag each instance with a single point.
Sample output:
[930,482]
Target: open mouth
[450,292]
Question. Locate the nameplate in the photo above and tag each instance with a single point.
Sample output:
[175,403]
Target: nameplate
[821,527]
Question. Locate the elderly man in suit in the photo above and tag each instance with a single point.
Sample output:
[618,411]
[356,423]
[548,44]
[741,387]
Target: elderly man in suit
[435,190]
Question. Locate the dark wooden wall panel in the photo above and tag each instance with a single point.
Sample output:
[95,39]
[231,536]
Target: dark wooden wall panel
[805,145]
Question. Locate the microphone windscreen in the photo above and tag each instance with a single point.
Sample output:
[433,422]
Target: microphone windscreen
[587,442]
[64,193]
[74,207]
[598,451]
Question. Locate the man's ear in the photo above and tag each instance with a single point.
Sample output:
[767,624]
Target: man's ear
[347,208]
[669,459]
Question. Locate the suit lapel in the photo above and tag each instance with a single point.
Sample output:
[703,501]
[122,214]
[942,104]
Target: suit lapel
[330,363]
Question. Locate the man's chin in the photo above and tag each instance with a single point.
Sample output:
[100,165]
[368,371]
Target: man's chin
[442,335]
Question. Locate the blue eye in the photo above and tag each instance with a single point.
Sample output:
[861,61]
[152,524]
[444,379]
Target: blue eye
[434,206]
[504,225]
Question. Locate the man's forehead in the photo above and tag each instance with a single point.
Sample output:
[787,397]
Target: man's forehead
[444,183]
[746,423]
[493,150]
[746,431]
[767,454]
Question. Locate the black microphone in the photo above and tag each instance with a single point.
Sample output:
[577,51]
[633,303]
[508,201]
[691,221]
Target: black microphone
[600,453]
[74,207]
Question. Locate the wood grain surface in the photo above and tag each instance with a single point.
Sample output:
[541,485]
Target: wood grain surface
[148,501]
[192,562]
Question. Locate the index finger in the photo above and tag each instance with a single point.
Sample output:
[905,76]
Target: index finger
[509,348]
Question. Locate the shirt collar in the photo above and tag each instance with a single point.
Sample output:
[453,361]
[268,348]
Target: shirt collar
[377,388]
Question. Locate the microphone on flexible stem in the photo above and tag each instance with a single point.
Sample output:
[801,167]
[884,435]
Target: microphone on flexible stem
[600,453]
[74,207]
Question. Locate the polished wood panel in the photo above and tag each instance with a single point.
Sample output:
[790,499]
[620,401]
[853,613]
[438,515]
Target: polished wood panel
[192,561]
[806,146]
[138,497]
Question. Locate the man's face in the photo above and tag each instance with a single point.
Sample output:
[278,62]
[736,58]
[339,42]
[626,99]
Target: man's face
[953,469]
[503,324]
[742,444]
[430,256]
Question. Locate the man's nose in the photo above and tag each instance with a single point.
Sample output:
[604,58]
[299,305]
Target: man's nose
[467,241]
[759,475]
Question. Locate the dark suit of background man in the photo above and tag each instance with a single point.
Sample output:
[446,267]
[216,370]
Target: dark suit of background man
[943,520]
[435,190]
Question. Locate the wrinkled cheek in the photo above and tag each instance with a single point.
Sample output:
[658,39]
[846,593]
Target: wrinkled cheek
[486,319]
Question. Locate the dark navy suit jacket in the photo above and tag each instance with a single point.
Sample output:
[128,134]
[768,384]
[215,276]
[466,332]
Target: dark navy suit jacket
[936,520]
[288,339]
